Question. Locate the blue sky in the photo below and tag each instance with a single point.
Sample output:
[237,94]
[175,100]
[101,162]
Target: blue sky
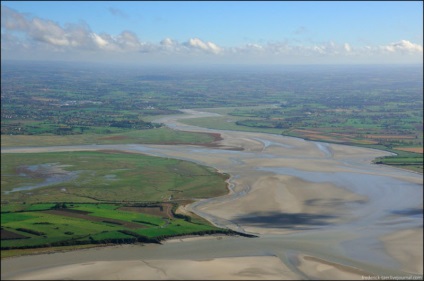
[215,31]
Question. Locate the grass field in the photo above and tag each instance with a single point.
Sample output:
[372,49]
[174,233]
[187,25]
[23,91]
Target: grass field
[227,123]
[161,135]
[73,198]
[87,223]
[99,176]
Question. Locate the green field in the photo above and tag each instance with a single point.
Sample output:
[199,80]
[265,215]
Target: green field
[161,135]
[87,223]
[53,104]
[75,198]
[100,176]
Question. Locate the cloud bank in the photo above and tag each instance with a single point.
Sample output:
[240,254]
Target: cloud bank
[21,33]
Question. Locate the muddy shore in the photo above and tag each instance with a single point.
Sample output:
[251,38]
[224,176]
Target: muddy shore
[321,211]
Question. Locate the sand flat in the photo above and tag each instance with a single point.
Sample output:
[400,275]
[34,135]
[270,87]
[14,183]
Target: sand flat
[235,268]
[316,268]
[407,247]
[307,201]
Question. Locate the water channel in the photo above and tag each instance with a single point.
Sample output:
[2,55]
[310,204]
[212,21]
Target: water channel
[300,197]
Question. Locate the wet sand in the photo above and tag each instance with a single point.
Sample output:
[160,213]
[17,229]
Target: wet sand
[320,210]
[240,268]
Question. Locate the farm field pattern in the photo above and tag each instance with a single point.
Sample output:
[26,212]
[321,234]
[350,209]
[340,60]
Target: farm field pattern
[86,197]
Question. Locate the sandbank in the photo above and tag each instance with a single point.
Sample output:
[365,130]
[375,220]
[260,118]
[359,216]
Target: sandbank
[237,268]
[305,200]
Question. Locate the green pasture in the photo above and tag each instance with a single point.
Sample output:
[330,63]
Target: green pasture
[175,227]
[110,211]
[101,183]
[161,135]
[42,229]
[19,207]
[55,228]
[402,160]
[226,123]
[15,217]
[108,235]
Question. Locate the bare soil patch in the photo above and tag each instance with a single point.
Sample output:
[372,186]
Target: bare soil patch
[389,137]
[9,235]
[318,136]
[216,136]
[163,210]
[411,149]
[333,137]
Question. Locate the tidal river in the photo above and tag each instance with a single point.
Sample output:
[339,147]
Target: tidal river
[321,211]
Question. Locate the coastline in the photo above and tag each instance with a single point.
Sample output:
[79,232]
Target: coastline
[315,206]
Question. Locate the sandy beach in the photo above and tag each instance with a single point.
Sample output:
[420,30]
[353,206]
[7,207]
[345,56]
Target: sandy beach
[321,211]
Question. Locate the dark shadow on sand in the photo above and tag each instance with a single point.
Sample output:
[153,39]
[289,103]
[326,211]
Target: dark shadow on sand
[333,202]
[410,212]
[296,221]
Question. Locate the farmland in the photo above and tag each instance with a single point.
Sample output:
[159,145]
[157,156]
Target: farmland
[77,198]
[50,104]
[85,198]
[348,128]
[89,223]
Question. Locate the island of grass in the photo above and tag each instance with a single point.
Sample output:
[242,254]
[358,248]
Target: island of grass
[89,198]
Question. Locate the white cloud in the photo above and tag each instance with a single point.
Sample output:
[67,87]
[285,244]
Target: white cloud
[347,47]
[403,46]
[196,43]
[168,42]
[21,32]
[170,46]
[128,40]
[12,20]
[99,41]
[44,31]
[49,32]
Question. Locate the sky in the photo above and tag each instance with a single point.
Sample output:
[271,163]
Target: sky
[214,32]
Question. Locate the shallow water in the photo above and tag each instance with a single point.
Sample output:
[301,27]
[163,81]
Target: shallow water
[393,202]
[52,173]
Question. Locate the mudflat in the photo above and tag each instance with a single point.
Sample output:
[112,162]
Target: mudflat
[320,211]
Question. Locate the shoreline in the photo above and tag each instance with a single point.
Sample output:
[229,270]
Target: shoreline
[334,200]
[65,249]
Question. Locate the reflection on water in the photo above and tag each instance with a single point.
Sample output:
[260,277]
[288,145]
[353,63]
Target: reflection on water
[393,202]
[52,173]
[385,195]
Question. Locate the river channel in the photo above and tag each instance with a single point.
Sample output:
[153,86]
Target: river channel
[301,198]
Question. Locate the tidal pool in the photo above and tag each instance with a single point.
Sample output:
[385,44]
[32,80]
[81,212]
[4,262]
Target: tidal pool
[301,198]
[52,173]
